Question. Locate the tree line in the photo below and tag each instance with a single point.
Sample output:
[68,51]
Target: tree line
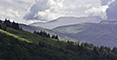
[45,34]
[8,23]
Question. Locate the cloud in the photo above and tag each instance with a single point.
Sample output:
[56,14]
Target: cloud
[9,13]
[52,9]
[46,10]
[38,6]
[112,11]
[106,2]
[100,11]
[14,9]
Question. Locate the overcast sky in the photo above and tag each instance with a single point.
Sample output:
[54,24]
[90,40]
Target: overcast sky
[29,11]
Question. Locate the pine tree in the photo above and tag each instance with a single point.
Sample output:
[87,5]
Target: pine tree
[7,23]
[15,25]
[114,50]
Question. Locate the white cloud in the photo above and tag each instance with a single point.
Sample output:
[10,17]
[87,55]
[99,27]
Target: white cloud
[99,11]
[9,13]
[52,9]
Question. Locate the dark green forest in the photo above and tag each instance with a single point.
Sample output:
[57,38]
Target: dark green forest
[46,48]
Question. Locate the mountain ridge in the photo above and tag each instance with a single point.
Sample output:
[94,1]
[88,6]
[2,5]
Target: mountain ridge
[108,22]
[94,33]
[66,21]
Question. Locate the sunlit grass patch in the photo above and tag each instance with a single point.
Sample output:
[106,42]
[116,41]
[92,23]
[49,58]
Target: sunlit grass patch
[15,36]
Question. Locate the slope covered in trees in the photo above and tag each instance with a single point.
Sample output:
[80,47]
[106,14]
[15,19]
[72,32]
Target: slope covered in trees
[14,49]
[42,48]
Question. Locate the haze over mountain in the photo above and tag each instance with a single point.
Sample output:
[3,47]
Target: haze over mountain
[51,32]
[66,21]
[95,33]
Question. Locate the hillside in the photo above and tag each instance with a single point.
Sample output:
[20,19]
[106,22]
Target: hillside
[14,46]
[108,22]
[51,32]
[15,36]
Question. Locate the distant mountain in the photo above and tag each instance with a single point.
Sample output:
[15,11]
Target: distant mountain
[66,21]
[94,33]
[33,28]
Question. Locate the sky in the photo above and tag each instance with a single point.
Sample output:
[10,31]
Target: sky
[29,11]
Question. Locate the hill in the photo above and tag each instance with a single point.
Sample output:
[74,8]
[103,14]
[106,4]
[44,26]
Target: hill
[95,33]
[98,34]
[108,22]
[14,46]
[66,21]
[51,32]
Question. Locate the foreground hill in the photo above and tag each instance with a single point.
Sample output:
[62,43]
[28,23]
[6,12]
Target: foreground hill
[94,33]
[12,48]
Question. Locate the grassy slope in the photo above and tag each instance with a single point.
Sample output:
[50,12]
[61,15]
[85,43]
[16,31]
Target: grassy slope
[12,48]
[15,36]
[35,38]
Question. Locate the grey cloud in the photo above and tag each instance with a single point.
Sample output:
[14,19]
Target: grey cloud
[38,6]
[112,11]
[30,16]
